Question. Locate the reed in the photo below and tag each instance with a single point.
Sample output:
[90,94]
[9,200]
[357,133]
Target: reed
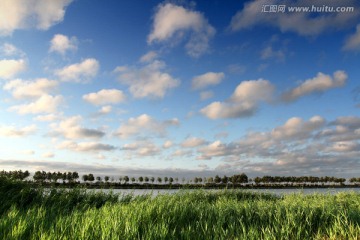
[199,214]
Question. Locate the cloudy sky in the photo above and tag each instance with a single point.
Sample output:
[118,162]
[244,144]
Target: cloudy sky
[179,88]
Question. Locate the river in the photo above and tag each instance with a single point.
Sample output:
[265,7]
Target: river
[155,192]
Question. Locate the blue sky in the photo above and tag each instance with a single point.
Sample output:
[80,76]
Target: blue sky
[179,88]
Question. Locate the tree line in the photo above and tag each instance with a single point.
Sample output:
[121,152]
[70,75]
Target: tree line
[237,179]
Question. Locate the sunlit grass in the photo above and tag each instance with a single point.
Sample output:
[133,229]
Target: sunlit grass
[201,214]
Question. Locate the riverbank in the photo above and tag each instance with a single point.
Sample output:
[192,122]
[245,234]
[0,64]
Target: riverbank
[28,213]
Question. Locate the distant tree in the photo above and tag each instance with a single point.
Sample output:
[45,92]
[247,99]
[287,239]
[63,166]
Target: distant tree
[106,178]
[75,176]
[196,180]
[133,179]
[39,176]
[217,179]
[240,178]
[225,179]
[171,180]
[159,179]
[91,177]
[69,177]
[210,180]
[126,179]
[85,177]
[166,179]
[152,179]
[98,179]
[146,179]
[140,179]
[176,179]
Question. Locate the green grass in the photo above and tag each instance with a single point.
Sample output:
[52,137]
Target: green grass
[200,214]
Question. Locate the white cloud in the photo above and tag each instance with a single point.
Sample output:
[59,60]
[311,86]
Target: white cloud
[347,146]
[302,23]
[8,50]
[269,53]
[47,118]
[149,57]
[94,147]
[22,14]
[105,110]
[12,131]
[48,155]
[10,67]
[172,22]
[149,81]
[217,149]
[79,72]
[167,144]
[105,96]
[353,42]
[141,149]
[207,79]
[71,128]
[318,84]
[45,104]
[243,102]
[30,89]
[192,142]
[61,44]
[145,124]
[296,128]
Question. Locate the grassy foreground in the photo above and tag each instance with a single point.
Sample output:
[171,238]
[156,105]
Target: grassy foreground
[27,213]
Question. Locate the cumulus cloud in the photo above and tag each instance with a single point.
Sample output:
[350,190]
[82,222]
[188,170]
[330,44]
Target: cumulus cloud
[148,81]
[296,128]
[149,57]
[22,14]
[192,142]
[45,104]
[105,110]
[12,131]
[93,147]
[296,147]
[145,124]
[207,79]
[141,149]
[61,44]
[172,22]
[318,84]
[217,149]
[353,42]
[47,117]
[71,128]
[11,67]
[243,102]
[269,53]
[8,50]
[21,89]
[105,96]
[167,144]
[303,23]
[79,72]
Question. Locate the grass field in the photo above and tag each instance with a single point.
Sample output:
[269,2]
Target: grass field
[230,214]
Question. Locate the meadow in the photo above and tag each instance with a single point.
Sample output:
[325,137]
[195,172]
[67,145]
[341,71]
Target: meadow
[34,213]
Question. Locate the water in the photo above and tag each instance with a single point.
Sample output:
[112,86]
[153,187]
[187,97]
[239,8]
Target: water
[154,192]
